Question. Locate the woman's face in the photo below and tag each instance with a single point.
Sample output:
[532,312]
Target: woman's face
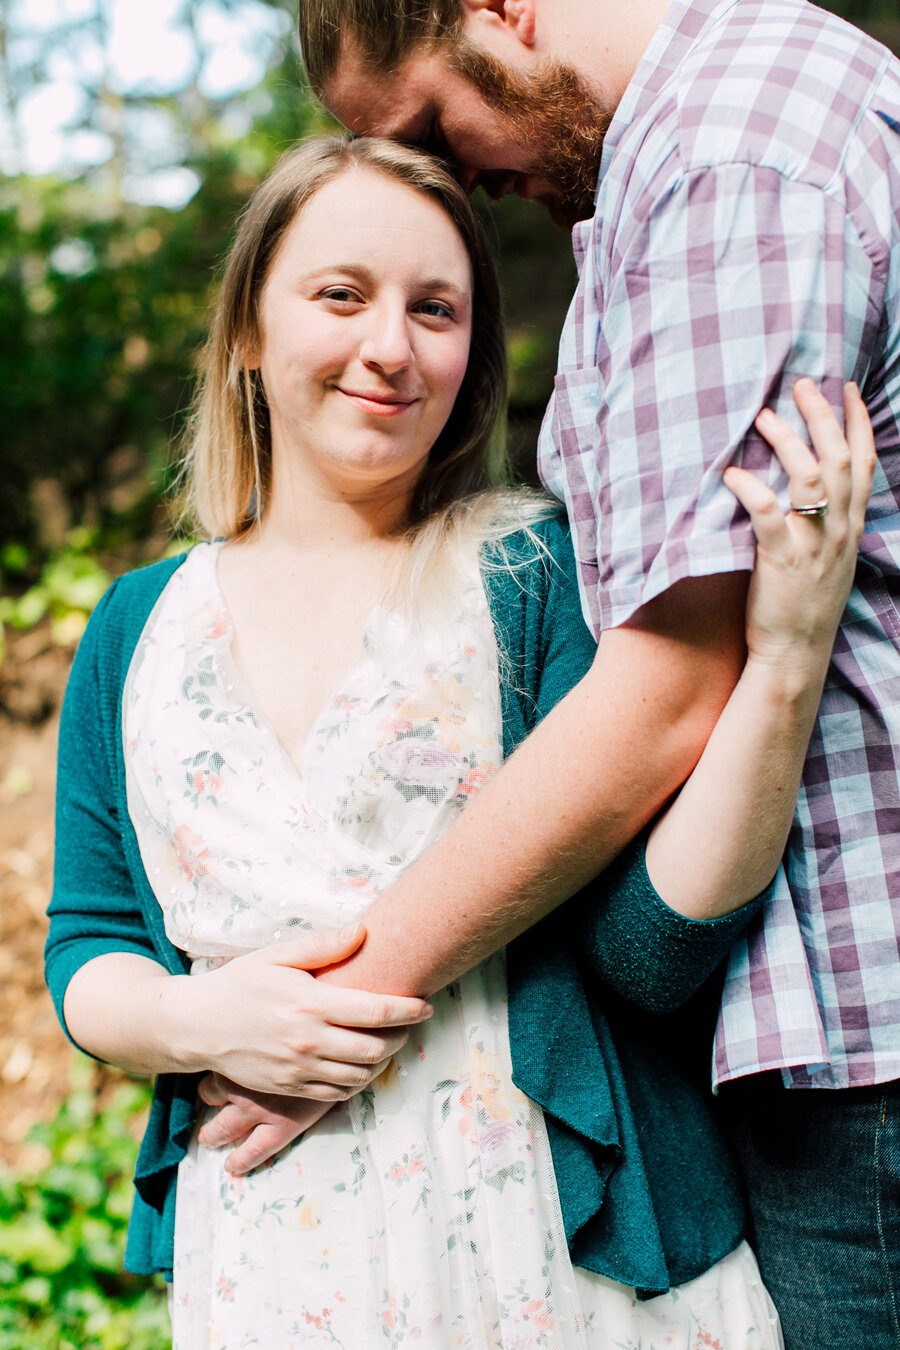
[365,322]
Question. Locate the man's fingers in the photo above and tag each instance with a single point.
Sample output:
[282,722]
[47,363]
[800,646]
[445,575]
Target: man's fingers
[317,950]
[229,1125]
[214,1089]
[271,1136]
[261,1145]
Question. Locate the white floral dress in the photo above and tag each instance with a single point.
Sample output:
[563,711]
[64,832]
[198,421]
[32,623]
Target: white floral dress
[424,1212]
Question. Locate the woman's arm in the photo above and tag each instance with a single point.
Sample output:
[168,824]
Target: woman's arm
[721,841]
[262,1019]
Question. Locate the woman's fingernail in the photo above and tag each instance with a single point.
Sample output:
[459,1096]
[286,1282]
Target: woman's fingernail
[765,417]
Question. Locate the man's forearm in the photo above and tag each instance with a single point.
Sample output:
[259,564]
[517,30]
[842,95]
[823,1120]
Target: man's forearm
[588,778]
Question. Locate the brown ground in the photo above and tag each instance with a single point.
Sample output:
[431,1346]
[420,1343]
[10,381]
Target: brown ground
[35,1057]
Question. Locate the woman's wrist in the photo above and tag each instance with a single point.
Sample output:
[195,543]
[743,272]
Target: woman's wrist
[790,675]
[182,1024]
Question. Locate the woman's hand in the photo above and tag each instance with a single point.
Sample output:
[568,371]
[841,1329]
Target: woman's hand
[264,1021]
[260,1124]
[805,564]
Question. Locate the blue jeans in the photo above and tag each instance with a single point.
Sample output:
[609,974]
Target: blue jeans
[822,1174]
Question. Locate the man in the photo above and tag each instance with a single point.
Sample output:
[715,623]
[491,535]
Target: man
[744,231]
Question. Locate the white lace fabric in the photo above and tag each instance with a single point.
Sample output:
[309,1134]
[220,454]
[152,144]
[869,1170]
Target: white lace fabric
[423,1212]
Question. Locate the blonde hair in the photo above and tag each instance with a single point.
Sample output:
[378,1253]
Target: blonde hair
[226,473]
[383,31]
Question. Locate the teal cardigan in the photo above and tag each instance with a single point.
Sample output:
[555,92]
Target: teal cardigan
[648,1192]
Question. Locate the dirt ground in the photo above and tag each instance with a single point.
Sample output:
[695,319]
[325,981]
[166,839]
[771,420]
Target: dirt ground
[35,1057]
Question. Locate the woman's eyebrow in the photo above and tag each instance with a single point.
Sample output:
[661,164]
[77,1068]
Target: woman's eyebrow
[362,273]
[356,270]
[441,284]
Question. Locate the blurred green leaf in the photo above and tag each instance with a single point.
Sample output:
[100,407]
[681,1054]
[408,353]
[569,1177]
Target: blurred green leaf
[62,1232]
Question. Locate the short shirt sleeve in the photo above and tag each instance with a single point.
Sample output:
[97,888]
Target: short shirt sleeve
[724,288]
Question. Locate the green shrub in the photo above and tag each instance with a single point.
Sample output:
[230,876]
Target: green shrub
[71,582]
[62,1234]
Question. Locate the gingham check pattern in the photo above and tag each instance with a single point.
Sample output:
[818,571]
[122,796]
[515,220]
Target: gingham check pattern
[747,232]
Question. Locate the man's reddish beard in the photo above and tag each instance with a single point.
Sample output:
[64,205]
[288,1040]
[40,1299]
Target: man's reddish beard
[554,112]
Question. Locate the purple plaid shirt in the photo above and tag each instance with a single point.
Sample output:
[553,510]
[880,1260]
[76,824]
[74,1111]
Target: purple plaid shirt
[747,231]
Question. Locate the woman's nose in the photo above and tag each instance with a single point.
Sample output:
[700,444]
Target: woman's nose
[387,343]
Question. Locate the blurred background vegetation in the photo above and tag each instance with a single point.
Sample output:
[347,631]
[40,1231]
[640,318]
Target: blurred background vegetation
[107,264]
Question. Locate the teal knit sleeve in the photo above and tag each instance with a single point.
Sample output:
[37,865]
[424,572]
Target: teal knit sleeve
[628,937]
[94,908]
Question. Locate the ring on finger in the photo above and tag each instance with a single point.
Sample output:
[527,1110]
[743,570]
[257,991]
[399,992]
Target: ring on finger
[815,511]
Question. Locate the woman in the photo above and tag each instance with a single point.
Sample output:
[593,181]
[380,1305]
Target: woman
[239,770]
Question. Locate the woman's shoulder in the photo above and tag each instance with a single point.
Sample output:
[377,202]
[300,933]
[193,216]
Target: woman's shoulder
[118,620]
[529,526]
[527,538]
[145,584]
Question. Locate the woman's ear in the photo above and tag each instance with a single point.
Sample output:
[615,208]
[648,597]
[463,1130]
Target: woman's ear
[249,356]
[516,16]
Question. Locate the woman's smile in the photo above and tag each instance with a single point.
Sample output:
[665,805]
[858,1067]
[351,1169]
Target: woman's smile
[378,404]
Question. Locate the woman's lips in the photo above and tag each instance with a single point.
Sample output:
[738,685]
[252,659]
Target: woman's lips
[378,405]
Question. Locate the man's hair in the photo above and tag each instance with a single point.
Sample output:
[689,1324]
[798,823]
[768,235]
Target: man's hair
[384,32]
[227,473]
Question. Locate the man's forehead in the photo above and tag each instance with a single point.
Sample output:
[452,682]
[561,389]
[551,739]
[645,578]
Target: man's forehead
[398,103]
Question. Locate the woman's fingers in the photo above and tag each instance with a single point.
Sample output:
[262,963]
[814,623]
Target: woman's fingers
[761,504]
[807,483]
[342,1006]
[861,440]
[834,468]
[839,468]
[315,951]
[376,1012]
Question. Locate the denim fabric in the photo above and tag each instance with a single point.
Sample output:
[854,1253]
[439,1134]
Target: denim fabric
[822,1175]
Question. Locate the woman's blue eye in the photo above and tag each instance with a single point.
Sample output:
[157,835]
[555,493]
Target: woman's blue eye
[436,308]
[339,293]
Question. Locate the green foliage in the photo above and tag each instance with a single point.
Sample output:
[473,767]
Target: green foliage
[104,303]
[62,1234]
[71,582]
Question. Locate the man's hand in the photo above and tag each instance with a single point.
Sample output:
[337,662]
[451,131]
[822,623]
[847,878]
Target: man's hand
[260,1124]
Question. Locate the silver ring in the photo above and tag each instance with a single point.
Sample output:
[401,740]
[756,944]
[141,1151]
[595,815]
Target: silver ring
[817,510]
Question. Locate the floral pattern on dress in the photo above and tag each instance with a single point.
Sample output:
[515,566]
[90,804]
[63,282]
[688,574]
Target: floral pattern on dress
[423,1212]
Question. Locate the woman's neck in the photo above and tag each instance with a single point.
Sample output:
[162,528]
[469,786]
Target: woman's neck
[310,514]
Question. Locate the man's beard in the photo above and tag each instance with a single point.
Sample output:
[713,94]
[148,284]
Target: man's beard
[556,114]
